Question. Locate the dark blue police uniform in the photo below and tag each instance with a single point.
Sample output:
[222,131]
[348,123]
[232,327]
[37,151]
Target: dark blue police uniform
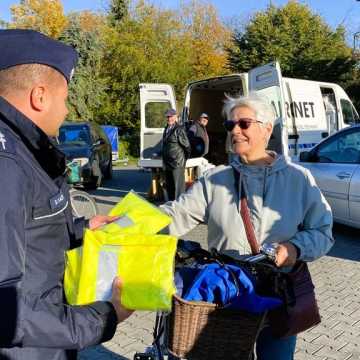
[36,229]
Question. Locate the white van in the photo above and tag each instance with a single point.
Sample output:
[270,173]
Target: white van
[307,111]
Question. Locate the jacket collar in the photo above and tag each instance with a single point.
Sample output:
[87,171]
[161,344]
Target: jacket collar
[168,132]
[23,126]
[280,162]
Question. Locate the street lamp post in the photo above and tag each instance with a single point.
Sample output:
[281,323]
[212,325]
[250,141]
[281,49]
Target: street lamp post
[356,36]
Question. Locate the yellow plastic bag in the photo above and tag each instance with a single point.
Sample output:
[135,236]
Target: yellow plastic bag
[144,262]
[137,215]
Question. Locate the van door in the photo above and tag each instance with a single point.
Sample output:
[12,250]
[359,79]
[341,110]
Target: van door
[267,81]
[155,99]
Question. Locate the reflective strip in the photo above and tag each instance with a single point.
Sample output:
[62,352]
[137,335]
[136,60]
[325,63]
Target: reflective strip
[108,265]
[124,221]
[54,214]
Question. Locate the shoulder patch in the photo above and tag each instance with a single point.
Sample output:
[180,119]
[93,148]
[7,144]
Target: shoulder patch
[6,142]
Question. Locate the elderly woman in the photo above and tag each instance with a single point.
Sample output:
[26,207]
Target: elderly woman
[286,206]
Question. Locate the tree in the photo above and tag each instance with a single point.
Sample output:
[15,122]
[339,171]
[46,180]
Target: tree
[156,45]
[87,88]
[303,43]
[135,53]
[46,16]
[3,24]
[118,10]
[207,39]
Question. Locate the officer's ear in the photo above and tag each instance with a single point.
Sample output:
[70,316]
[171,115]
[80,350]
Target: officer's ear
[39,97]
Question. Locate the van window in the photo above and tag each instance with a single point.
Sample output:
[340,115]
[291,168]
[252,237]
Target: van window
[349,114]
[273,95]
[155,114]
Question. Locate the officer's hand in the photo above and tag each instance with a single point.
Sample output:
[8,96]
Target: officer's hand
[100,220]
[121,312]
[286,254]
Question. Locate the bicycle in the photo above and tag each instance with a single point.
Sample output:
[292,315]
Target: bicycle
[82,204]
[189,251]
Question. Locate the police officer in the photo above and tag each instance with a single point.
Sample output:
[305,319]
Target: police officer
[36,225]
[175,151]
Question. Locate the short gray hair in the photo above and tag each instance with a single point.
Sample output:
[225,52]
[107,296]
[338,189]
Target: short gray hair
[22,77]
[264,111]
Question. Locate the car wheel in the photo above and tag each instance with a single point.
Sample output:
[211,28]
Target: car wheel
[109,171]
[96,176]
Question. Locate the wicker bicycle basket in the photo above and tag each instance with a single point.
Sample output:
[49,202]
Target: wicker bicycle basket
[201,330]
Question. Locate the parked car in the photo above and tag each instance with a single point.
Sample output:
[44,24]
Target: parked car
[87,144]
[335,164]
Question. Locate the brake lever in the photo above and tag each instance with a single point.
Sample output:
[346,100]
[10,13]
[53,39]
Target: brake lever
[267,252]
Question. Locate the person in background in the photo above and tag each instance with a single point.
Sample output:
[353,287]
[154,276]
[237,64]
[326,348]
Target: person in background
[175,151]
[36,223]
[331,115]
[286,206]
[198,136]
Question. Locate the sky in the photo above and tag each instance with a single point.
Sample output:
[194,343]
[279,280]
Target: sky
[335,12]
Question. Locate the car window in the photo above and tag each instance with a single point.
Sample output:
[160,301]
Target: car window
[344,148]
[74,135]
[349,113]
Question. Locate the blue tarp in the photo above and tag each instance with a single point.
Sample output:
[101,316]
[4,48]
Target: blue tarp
[214,283]
[112,134]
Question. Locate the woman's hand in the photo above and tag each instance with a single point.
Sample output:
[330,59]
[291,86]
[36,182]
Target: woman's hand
[99,220]
[286,254]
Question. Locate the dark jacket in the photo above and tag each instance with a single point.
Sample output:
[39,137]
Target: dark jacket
[36,228]
[175,147]
[199,139]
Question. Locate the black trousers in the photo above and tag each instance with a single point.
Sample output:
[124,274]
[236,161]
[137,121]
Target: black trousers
[175,182]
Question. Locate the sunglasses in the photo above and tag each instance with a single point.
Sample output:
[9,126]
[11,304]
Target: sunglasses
[243,123]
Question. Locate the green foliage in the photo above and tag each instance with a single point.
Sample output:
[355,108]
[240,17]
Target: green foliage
[87,88]
[3,24]
[301,41]
[129,146]
[156,45]
[118,10]
[142,48]
[352,87]
[124,148]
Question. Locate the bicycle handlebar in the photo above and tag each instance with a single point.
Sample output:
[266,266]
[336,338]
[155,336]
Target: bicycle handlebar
[267,252]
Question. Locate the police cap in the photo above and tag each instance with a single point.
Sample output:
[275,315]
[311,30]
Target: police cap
[19,47]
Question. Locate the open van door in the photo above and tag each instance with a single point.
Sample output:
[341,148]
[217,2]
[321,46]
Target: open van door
[267,81]
[155,99]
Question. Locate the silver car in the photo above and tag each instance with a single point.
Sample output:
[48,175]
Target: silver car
[335,165]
